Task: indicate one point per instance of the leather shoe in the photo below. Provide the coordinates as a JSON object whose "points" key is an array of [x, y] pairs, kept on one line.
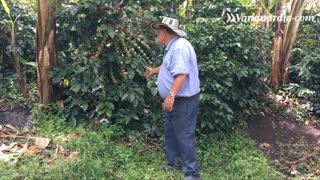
{"points": [[190, 177]]}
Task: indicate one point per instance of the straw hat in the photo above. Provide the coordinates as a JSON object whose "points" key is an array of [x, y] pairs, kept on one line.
{"points": [[171, 23]]}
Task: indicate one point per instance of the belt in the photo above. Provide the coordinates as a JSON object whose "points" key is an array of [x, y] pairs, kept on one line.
{"points": [[185, 97]]}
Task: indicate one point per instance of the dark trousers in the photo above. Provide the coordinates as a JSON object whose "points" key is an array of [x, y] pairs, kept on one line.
{"points": [[179, 136]]}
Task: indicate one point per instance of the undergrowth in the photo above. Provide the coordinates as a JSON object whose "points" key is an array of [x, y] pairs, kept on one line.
{"points": [[110, 152]]}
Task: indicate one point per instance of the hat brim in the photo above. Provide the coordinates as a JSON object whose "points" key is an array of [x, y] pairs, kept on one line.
{"points": [[155, 25]]}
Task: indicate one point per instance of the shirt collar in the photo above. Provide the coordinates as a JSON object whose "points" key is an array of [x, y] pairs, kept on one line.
{"points": [[170, 43]]}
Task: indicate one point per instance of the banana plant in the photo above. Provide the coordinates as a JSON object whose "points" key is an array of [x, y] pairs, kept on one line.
{"points": [[283, 42], [21, 78], [268, 6], [245, 3]]}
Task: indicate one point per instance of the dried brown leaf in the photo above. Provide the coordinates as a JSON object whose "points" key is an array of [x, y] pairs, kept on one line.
{"points": [[42, 143], [32, 150], [24, 148], [13, 129], [59, 150]]}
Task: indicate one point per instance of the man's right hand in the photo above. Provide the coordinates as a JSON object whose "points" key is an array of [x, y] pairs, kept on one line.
{"points": [[149, 72]]}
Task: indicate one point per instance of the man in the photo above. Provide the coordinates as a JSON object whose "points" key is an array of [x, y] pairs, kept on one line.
{"points": [[179, 87]]}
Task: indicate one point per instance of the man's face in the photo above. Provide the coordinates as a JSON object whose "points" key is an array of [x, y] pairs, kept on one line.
{"points": [[161, 36]]}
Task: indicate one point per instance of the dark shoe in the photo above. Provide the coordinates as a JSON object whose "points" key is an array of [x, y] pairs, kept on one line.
{"points": [[190, 177], [178, 165], [172, 168], [168, 168]]}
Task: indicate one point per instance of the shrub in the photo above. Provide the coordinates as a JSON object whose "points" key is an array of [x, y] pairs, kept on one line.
{"points": [[230, 71], [305, 64]]}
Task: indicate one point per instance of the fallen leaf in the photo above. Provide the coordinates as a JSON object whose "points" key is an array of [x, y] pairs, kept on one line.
{"points": [[69, 137], [1, 133], [12, 145], [42, 143], [265, 147], [32, 150], [293, 170], [4, 157], [3, 147], [59, 150], [15, 130], [24, 148]]}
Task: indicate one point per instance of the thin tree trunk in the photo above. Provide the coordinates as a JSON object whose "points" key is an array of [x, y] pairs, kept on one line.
{"points": [[21, 78], [260, 11], [46, 51], [276, 60]]}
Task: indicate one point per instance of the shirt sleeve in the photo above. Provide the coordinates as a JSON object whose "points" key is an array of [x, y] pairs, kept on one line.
{"points": [[179, 62]]}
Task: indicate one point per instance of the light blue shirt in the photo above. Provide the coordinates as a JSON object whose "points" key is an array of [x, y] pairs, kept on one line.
{"points": [[180, 58]]}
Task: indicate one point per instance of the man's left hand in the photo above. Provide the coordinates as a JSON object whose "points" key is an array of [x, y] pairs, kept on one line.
{"points": [[168, 104]]}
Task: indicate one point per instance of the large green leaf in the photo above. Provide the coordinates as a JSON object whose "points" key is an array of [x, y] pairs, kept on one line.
{"points": [[245, 3], [264, 6], [25, 62], [6, 8], [110, 31], [272, 4]]}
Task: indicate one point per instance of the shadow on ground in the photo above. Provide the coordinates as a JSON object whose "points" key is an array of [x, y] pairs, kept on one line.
{"points": [[293, 146]]}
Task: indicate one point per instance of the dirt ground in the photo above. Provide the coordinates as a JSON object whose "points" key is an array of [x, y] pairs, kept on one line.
{"points": [[292, 146], [17, 117]]}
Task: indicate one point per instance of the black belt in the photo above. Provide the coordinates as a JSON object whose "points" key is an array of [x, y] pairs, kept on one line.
{"points": [[185, 97]]}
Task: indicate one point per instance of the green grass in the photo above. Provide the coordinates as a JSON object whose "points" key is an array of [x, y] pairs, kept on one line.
{"points": [[112, 153], [103, 158]]}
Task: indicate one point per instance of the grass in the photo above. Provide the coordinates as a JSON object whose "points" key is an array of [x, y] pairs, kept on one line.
{"points": [[109, 152]]}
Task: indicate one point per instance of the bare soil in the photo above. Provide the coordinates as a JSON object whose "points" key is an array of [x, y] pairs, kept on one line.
{"points": [[292, 145], [17, 117]]}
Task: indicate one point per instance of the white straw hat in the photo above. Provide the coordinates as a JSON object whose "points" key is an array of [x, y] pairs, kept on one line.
{"points": [[171, 23]]}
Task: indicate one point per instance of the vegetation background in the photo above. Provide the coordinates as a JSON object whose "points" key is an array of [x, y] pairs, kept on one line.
{"points": [[104, 120]]}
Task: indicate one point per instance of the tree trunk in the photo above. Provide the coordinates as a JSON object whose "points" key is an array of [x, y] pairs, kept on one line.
{"points": [[283, 43], [290, 35], [46, 51], [21, 78], [276, 60], [265, 25]]}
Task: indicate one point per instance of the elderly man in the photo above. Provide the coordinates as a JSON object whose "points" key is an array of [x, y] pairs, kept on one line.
{"points": [[179, 87]]}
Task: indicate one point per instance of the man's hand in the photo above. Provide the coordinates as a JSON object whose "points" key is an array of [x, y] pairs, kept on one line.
{"points": [[149, 72], [168, 104]]}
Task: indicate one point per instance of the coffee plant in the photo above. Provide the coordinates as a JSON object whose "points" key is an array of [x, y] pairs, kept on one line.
{"points": [[230, 71], [105, 47], [103, 54], [306, 62]]}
